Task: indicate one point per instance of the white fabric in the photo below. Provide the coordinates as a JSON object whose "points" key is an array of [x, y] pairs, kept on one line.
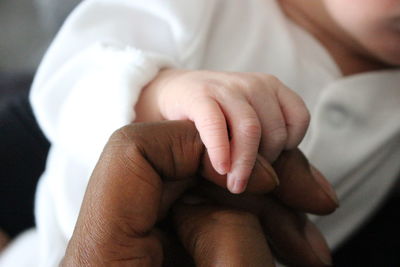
{"points": [[22, 251], [108, 50]]}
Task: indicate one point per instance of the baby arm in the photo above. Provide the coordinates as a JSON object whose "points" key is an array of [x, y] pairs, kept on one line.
{"points": [[238, 115]]}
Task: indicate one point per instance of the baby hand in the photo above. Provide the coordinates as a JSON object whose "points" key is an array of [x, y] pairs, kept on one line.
{"points": [[237, 116]]}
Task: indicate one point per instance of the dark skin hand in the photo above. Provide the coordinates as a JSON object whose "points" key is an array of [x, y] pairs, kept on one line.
{"points": [[3, 240], [133, 213]]}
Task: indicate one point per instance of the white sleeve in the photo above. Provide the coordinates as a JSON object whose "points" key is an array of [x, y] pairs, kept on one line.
{"points": [[87, 85], [105, 53]]}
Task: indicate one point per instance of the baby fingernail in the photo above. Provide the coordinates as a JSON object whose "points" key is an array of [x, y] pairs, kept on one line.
{"points": [[325, 185], [236, 186], [317, 243], [222, 168]]}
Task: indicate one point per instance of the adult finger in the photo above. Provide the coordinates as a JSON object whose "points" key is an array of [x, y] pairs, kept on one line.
{"points": [[122, 201], [174, 252], [219, 236], [211, 124], [245, 132], [292, 236], [263, 178], [295, 238], [302, 186]]}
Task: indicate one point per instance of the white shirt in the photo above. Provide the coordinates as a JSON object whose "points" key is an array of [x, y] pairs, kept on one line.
{"points": [[108, 50]]}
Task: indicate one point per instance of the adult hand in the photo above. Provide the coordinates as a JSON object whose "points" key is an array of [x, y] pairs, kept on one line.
{"points": [[295, 240], [143, 169]]}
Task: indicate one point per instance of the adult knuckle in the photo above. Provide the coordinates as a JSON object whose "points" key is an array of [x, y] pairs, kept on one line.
{"points": [[129, 134], [121, 135], [125, 148], [121, 143]]}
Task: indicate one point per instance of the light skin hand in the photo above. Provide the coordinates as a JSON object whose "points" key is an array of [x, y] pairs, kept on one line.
{"points": [[237, 115]]}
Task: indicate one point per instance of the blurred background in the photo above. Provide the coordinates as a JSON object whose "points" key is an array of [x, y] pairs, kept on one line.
{"points": [[26, 28]]}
